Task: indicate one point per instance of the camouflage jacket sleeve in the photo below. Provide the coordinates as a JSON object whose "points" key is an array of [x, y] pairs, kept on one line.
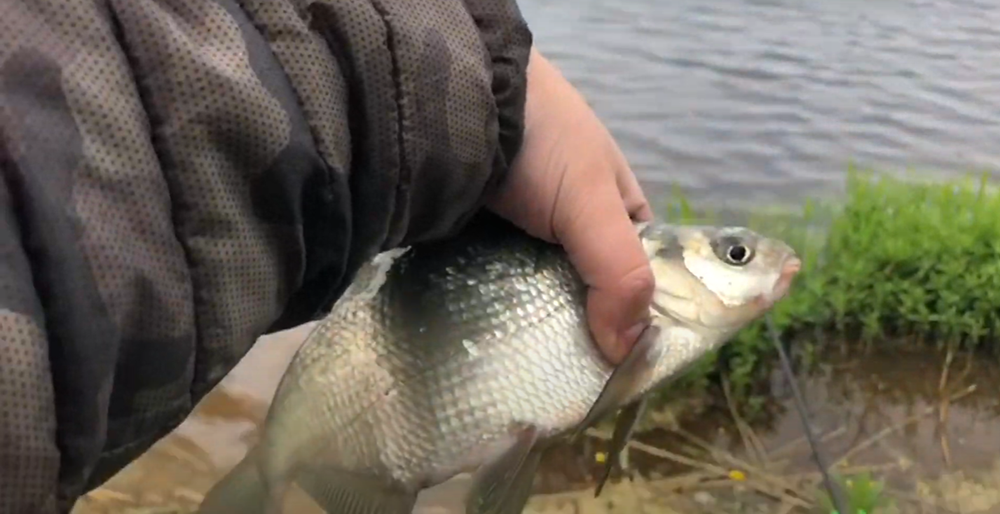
{"points": [[178, 177]]}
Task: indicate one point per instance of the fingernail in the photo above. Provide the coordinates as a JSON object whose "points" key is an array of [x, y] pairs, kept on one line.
{"points": [[628, 337]]}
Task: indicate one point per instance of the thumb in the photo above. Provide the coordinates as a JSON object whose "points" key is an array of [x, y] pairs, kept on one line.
{"points": [[603, 245]]}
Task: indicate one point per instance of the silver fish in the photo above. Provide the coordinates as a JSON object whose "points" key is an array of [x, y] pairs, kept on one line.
{"points": [[474, 355]]}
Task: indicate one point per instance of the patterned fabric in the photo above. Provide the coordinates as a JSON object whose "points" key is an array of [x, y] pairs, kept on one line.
{"points": [[178, 177]]}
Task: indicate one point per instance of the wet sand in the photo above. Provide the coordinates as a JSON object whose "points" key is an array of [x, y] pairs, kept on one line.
{"points": [[882, 411]]}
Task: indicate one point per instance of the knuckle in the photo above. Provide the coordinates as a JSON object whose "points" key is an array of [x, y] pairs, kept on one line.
{"points": [[639, 282]]}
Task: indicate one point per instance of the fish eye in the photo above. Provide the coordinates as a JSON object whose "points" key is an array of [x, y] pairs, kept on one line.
{"points": [[738, 254], [734, 250]]}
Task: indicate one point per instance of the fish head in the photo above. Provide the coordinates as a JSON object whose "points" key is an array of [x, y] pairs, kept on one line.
{"points": [[717, 278]]}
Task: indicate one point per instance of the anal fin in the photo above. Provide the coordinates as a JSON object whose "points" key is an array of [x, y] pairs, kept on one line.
{"points": [[628, 419], [503, 485]]}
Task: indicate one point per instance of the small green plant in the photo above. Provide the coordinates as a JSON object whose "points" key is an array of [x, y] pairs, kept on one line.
{"points": [[864, 495]]}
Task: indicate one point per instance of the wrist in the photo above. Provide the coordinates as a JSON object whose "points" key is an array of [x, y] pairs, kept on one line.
{"points": [[546, 80], [552, 101]]}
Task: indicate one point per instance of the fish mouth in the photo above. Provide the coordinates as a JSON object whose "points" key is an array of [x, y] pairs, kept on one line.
{"points": [[789, 269]]}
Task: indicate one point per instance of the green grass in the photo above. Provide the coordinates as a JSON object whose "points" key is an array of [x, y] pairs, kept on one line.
{"points": [[897, 260]]}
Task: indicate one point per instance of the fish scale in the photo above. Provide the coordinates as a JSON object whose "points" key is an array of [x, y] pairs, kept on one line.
{"points": [[470, 394], [474, 354]]}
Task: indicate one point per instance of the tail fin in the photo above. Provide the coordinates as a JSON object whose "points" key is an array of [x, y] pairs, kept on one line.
{"points": [[241, 491]]}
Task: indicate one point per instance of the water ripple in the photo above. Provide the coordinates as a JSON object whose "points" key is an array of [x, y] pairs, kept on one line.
{"points": [[768, 99]]}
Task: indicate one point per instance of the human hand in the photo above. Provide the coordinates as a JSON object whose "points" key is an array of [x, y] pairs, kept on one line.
{"points": [[570, 184]]}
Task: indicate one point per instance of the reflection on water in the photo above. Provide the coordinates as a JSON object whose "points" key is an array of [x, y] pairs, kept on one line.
{"points": [[885, 403]]}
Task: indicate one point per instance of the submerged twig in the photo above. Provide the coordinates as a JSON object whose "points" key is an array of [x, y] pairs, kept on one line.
{"points": [[836, 494], [765, 484], [943, 381], [792, 445], [885, 432], [731, 460], [943, 408]]}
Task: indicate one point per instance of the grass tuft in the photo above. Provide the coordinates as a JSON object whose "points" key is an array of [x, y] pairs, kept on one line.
{"points": [[897, 260], [865, 495]]}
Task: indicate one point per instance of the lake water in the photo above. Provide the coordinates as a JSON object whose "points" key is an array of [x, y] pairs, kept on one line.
{"points": [[749, 101]]}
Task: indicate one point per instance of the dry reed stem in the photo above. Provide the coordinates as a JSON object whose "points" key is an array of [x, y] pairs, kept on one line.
{"points": [[785, 489], [753, 445], [763, 483], [728, 458]]}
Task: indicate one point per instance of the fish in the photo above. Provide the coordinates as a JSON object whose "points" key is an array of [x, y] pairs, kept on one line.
{"points": [[473, 355]]}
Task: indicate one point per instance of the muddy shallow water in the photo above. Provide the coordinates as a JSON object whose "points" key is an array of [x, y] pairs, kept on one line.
{"points": [[881, 411]]}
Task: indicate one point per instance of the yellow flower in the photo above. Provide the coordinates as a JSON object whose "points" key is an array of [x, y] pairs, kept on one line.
{"points": [[600, 457], [737, 475]]}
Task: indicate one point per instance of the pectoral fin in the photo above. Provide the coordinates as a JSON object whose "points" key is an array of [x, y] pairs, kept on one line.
{"points": [[343, 492], [503, 485], [627, 379], [625, 425]]}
